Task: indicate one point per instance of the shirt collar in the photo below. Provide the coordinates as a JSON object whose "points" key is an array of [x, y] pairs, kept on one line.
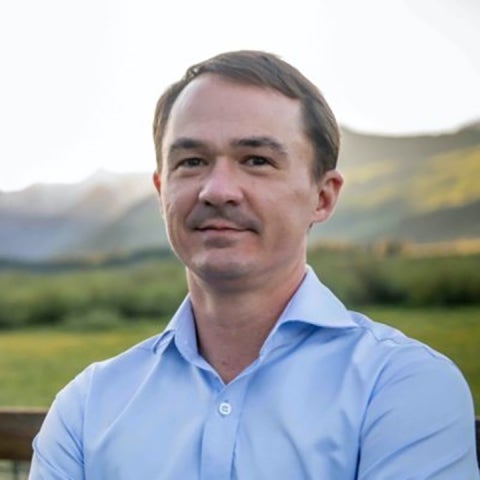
{"points": [[182, 323], [313, 303]]}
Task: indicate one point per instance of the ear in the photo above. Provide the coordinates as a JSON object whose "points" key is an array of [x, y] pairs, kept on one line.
{"points": [[158, 188], [156, 181], [329, 187]]}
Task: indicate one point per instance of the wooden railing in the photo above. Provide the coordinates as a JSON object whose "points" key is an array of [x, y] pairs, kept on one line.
{"points": [[19, 426]]}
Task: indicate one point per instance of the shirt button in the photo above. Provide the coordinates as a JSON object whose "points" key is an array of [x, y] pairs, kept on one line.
{"points": [[225, 409]]}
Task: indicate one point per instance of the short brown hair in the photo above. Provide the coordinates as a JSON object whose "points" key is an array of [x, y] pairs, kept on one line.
{"points": [[268, 71]]}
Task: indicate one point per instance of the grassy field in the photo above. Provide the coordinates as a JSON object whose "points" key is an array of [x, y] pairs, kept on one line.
{"points": [[34, 364]]}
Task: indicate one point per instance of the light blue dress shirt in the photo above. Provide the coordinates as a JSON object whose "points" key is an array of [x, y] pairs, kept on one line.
{"points": [[332, 396]]}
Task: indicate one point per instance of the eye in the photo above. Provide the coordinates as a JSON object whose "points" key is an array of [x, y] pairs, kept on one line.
{"points": [[191, 162], [257, 161]]}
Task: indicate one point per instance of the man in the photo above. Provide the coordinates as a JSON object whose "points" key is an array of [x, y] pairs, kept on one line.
{"points": [[262, 373]]}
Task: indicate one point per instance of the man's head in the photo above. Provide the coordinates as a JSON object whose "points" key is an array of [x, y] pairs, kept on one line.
{"points": [[263, 70], [244, 170]]}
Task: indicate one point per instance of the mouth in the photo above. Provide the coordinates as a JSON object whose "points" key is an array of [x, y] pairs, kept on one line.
{"points": [[206, 221], [217, 229], [220, 227]]}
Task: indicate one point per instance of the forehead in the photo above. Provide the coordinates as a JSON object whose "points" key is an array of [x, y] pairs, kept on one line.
{"points": [[214, 108]]}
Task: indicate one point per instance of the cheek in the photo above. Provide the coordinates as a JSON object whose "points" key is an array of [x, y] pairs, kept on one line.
{"points": [[300, 204], [174, 202], [286, 224], [171, 219]]}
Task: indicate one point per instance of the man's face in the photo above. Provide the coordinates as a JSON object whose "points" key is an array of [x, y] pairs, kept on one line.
{"points": [[236, 184]]}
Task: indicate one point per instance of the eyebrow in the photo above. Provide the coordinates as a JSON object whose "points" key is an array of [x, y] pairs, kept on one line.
{"points": [[258, 142], [187, 143]]}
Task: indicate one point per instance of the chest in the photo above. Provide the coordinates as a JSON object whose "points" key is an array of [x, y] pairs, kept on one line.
{"points": [[283, 420]]}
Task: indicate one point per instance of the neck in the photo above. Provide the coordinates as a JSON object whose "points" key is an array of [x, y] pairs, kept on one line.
{"points": [[233, 323]]}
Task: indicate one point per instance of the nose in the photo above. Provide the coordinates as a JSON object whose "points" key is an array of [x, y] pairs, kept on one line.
{"points": [[221, 185]]}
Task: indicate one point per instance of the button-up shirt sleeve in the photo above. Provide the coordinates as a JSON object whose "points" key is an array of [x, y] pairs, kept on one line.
{"points": [[419, 421], [58, 449]]}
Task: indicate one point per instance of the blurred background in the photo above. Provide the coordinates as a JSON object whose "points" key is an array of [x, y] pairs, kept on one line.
{"points": [[85, 270]]}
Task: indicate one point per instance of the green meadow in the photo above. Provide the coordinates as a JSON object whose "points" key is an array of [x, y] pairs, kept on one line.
{"points": [[55, 319], [36, 363]]}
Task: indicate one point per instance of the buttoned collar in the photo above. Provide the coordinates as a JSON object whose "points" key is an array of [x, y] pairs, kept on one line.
{"points": [[312, 304]]}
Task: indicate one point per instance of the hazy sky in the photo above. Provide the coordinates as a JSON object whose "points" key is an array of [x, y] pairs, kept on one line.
{"points": [[79, 79]]}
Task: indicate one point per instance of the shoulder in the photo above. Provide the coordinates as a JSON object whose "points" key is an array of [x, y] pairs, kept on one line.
{"points": [[390, 343], [386, 362], [399, 359], [97, 394], [419, 404], [137, 356], [112, 378], [100, 391]]}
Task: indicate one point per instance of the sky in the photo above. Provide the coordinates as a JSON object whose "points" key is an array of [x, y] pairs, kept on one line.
{"points": [[80, 79]]}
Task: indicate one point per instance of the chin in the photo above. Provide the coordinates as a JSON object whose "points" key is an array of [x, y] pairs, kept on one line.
{"points": [[227, 269]]}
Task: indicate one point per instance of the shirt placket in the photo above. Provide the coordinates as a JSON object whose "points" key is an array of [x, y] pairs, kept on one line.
{"points": [[220, 431]]}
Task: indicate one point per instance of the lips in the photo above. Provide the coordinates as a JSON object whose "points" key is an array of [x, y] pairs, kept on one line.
{"points": [[221, 219], [220, 227]]}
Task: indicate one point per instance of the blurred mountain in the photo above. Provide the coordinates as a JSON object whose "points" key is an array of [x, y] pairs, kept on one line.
{"points": [[421, 189], [50, 220], [139, 226]]}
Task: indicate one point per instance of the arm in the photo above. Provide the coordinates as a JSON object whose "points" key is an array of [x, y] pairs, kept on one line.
{"points": [[419, 423], [58, 448]]}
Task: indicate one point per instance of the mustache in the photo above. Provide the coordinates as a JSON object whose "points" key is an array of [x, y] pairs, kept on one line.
{"points": [[202, 213]]}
